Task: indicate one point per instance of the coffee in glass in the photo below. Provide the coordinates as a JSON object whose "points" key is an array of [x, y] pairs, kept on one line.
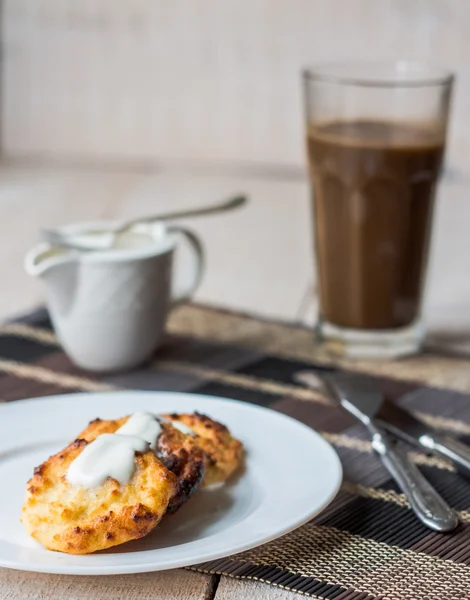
{"points": [[375, 142]]}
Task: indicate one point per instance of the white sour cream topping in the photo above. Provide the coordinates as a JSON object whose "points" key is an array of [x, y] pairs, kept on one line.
{"points": [[113, 454], [143, 425], [183, 428], [110, 455]]}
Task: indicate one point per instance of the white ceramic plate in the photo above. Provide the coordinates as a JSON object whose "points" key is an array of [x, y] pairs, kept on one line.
{"points": [[290, 475]]}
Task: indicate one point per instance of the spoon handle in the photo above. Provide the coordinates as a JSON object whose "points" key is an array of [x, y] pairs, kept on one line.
{"points": [[61, 239], [235, 202]]}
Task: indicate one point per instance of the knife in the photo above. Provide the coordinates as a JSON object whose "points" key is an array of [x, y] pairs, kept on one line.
{"points": [[362, 398], [404, 425]]}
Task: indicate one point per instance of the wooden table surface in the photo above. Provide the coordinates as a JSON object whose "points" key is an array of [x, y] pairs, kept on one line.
{"points": [[166, 585]]}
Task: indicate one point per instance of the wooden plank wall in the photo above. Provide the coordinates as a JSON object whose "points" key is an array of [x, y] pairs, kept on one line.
{"points": [[201, 81]]}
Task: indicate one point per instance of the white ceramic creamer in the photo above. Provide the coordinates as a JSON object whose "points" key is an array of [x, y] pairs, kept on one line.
{"points": [[109, 305]]}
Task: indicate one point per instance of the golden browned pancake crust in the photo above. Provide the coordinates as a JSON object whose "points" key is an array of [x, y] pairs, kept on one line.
{"points": [[186, 460], [176, 451], [224, 452], [79, 521]]}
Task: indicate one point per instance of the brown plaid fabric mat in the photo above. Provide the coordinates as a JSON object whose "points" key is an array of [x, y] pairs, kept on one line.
{"points": [[367, 545]]}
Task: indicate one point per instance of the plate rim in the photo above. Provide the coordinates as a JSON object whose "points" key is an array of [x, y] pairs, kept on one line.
{"points": [[149, 566]]}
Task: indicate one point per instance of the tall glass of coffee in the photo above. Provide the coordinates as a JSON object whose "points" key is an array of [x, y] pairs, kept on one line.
{"points": [[375, 141]]}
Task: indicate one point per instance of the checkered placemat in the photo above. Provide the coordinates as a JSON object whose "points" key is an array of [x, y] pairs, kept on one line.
{"points": [[367, 544]]}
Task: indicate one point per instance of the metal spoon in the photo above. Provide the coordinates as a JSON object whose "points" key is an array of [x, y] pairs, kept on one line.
{"points": [[64, 239]]}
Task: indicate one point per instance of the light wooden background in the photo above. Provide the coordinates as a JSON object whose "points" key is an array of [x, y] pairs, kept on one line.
{"points": [[114, 108], [201, 80]]}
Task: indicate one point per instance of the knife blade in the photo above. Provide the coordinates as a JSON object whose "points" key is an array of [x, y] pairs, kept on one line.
{"points": [[363, 399], [401, 423]]}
